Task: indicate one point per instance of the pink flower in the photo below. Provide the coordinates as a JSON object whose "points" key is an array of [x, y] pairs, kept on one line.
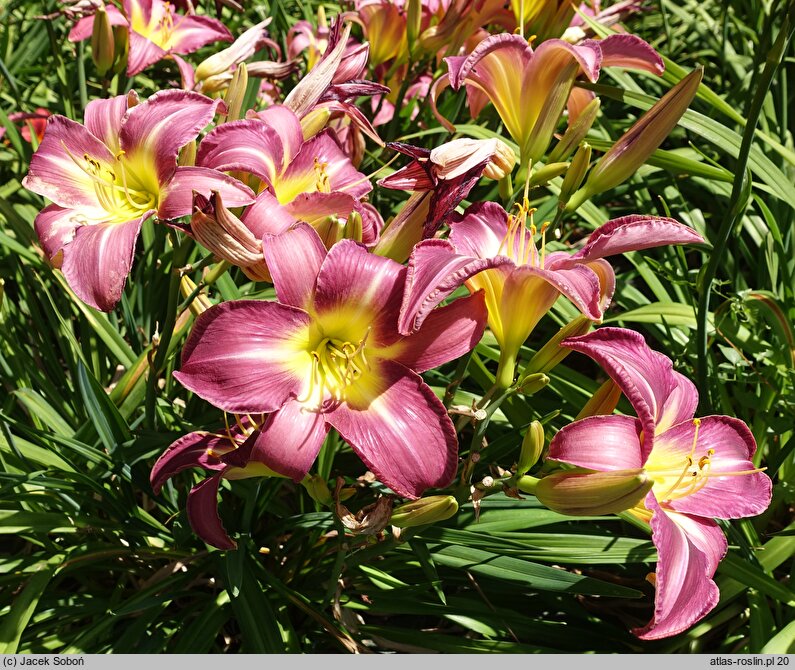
{"points": [[156, 31], [311, 181], [529, 87], [495, 252], [107, 177], [328, 353], [26, 120], [701, 468]]}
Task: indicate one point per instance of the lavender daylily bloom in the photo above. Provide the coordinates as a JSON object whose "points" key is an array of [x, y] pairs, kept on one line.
{"points": [[701, 468], [494, 251], [156, 31], [107, 177], [328, 354]]}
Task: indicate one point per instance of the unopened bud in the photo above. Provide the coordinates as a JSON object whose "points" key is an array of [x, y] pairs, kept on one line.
{"points": [[593, 493], [187, 155], [121, 39], [532, 447], [532, 383], [424, 511], [458, 157], [236, 93], [552, 353], [576, 132], [317, 489], [640, 141], [405, 230], [243, 47], [547, 173], [201, 303], [313, 122], [576, 173], [353, 227], [603, 401], [103, 44], [413, 22]]}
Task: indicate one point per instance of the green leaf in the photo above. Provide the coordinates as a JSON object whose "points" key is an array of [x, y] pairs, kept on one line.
{"points": [[15, 622]]}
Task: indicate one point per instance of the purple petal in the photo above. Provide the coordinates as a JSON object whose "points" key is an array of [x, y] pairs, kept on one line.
{"points": [[302, 172], [247, 145], [315, 208], [154, 131], [56, 175], [56, 227], [630, 51], [294, 258], [83, 29], [103, 119], [189, 451], [97, 261], [460, 68], [482, 231], [601, 443], [288, 127], [177, 195], [633, 233], [290, 440], [360, 285], [400, 429], [203, 516], [267, 217], [247, 356], [660, 396], [143, 53], [689, 549], [553, 54], [193, 32], [435, 270], [732, 496], [448, 333]]}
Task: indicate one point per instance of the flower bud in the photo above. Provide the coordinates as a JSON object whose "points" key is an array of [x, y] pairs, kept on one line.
{"points": [[405, 230], [576, 173], [455, 158], [353, 227], [121, 39], [201, 303], [532, 383], [501, 163], [593, 493], [424, 511], [236, 93], [413, 22], [576, 132], [640, 141], [243, 47], [603, 401], [103, 45], [313, 122], [532, 447], [548, 356], [187, 155], [317, 489], [547, 172]]}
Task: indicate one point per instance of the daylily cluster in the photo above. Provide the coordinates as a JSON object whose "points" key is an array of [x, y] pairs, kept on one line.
{"points": [[363, 307]]}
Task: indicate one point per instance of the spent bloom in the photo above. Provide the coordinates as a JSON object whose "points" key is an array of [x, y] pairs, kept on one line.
{"points": [[699, 468], [328, 353], [107, 177]]}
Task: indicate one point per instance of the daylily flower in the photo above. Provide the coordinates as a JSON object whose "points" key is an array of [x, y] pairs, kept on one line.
{"points": [[493, 251], [312, 180], [156, 31], [26, 120], [529, 87], [701, 468], [107, 177], [227, 455], [328, 353], [443, 176]]}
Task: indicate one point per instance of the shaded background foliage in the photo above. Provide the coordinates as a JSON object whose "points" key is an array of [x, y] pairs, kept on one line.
{"points": [[91, 561]]}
